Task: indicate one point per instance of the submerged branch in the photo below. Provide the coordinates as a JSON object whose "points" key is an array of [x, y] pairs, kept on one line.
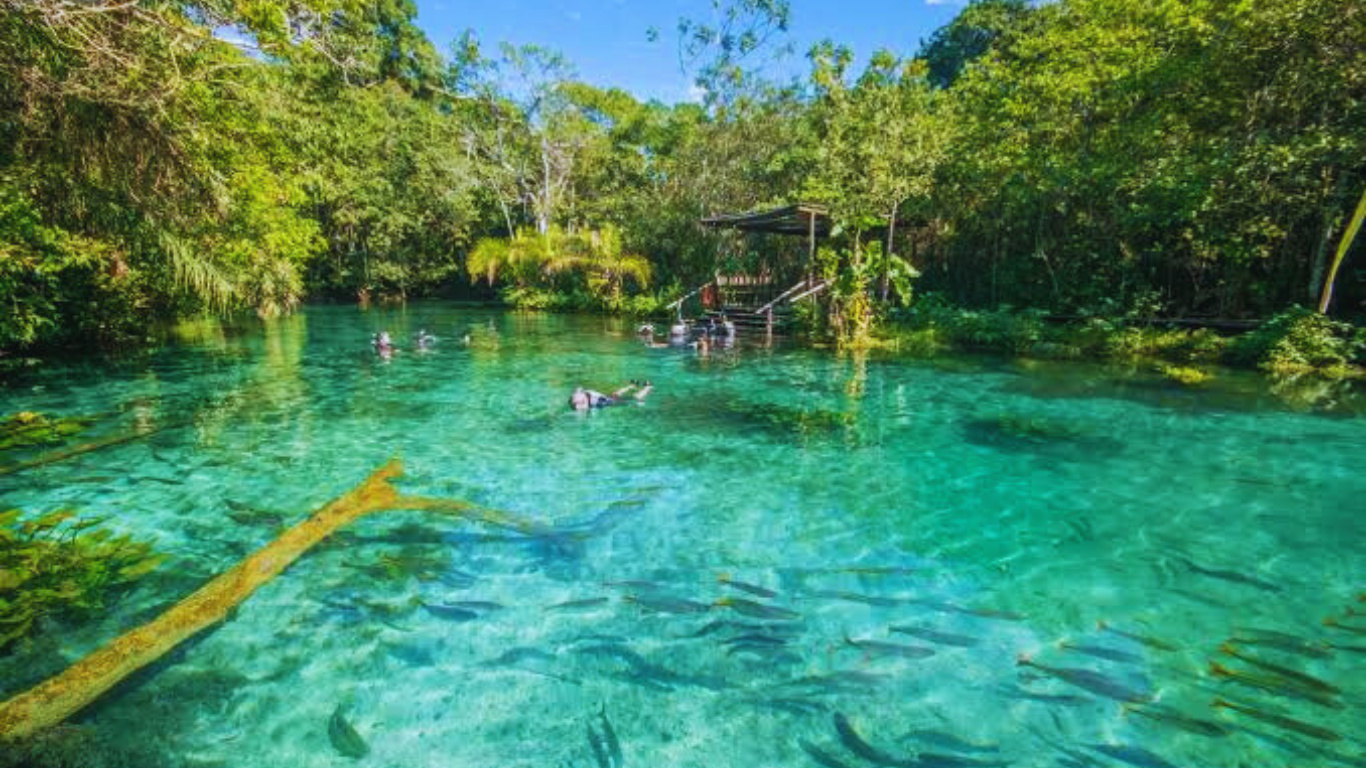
{"points": [[58, 698], [84, 448]]}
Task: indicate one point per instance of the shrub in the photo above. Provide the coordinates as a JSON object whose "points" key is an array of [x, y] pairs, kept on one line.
{"points": [[1300, 339]]}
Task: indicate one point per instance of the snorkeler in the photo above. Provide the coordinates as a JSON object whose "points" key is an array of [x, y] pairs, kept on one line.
{"points": [[382, 343], [423, 339], [588, 399]]}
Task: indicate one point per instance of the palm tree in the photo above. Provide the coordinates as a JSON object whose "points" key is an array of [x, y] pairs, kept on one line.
{"points": [[600, 255]]}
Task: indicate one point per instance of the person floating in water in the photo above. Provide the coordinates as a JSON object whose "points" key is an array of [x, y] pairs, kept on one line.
{"points": [[424, 340], [382, 343], [588, 399]]}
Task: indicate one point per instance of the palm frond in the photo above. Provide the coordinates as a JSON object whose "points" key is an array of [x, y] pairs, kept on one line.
{"points": [[197, 274]]}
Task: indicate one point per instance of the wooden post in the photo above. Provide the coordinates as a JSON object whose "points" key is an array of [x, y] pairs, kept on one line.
{"points": [[811, 247]]}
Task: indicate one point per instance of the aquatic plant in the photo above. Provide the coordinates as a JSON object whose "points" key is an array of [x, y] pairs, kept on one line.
{"points": [[59, 564], [79, 746], [26, 429]]}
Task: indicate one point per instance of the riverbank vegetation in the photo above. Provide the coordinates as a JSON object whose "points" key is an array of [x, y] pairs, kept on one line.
{"points": [[1115, 160]]}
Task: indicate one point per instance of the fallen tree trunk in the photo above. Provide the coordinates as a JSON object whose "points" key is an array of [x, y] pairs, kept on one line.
{"points": [[65, 694], [84, 448]]}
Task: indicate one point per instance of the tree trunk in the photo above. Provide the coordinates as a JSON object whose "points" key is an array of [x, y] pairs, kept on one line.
{"points": [[1343, 246], [543, 210], [887, 259]]}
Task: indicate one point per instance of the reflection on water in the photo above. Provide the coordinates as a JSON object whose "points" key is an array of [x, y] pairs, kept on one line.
{"points": [[784, 557]]}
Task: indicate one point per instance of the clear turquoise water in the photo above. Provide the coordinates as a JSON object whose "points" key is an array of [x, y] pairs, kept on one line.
{"points": [[1012, 506]]}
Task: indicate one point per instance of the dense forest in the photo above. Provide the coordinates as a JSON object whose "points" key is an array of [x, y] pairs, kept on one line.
{"points": [[161, 159]]}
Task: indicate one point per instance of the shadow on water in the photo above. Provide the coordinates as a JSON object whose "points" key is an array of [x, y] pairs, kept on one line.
{"points": [[1056, 438], [768, 421]]}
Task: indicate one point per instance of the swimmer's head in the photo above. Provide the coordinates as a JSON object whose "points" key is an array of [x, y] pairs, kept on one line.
{"points": [[580, 400]]}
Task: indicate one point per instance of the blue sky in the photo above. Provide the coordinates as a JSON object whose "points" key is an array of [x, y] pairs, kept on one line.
{"points": [[606, 39]]}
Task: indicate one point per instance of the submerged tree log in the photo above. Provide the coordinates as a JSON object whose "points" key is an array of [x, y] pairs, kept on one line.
{"points": [[84, 448], [60, 697]]}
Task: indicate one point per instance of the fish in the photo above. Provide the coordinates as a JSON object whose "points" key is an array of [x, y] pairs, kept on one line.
{"points": [[667, 604], [949, 741], [162, 480], [841, 680], [721, 625], [578, 605], [1277, 685], [596, 743], [647, 586], [449, 612], [856, 744], [1062, 699], [878, 570], [821, 757], [457, 579], [412, 655], [755, 639], [768, 653], [1101, 652], [932, 760], [855, 597], [877, 648], [1298, 677], [1281, 721], [1177, 720], [1281, 641], [609, 735], [518, 655], [991, 613], [615, 651], [1090, 681], [743, 586], [1230, 576], [794, 705], [344, 737], [476, 605], [1333, 622], [935, 636], [757, 610], [1150, 642], [1137, 756]]}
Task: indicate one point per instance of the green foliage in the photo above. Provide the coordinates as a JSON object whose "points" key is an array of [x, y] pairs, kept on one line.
{"points": [[1105, 149], [1184, 374], [1120, 158], [58, 288], [1003, 329], [1295, 341], [1298, 340], [27, 429], [561, 270], [60, 565], [970, 36]]}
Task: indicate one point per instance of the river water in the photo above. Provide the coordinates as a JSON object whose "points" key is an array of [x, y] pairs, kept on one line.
{"points": [[971, 562]]}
